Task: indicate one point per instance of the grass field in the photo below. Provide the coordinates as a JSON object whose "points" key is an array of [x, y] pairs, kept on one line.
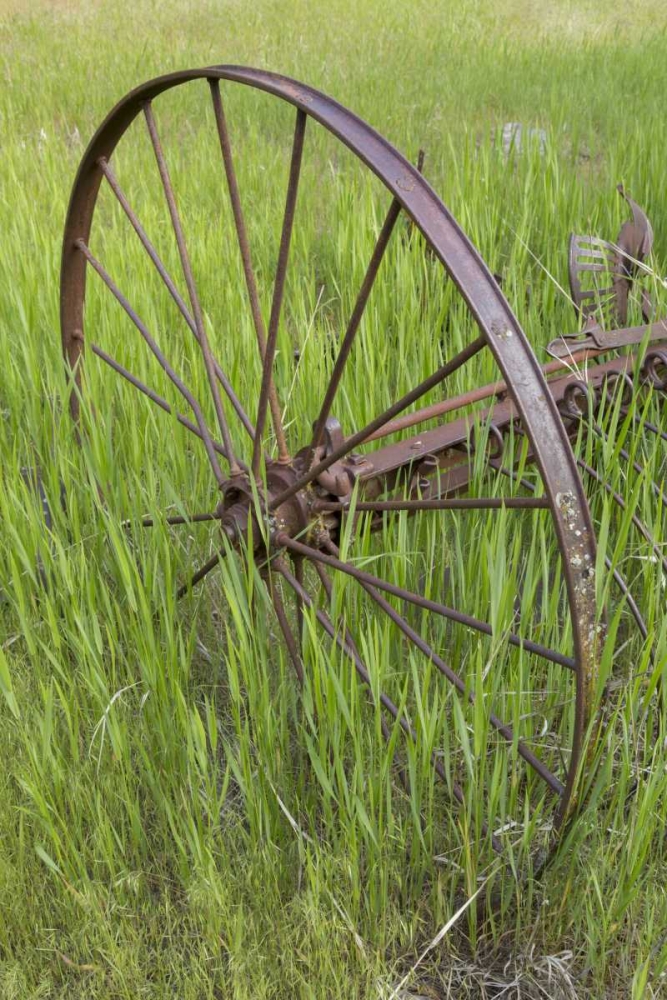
{"points": [[175, 819]]}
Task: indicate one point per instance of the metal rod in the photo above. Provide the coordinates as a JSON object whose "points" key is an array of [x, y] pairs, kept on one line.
{"points": [[442, 373], [246, 259], [353, 325], [618, 499], [386, 702], [386, 731], [153, 396], [624, 453], [465, 503], [619, 580], [297, 563], [632, 604], [279, 288], [422, 602], [202, 336], [199, 575], [329, 628], [143, 330], [511, 474], [325, 580], [288, 635], [150, 522], [505, 730], [106, 169], [468, 398], [647, 425]]}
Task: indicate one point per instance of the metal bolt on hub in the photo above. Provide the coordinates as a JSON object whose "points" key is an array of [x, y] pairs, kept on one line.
{"points": [[292, 492]]}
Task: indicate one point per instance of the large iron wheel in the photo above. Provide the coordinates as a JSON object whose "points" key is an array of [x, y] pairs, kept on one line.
{"points": [[309, 496]]}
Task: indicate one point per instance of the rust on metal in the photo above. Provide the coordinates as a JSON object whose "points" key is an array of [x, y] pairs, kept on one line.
{"points": [[610, 268], [293, 508]]}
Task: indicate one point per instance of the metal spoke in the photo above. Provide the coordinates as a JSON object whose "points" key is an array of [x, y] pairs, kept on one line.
{"points": [[297, 563], [464, 503], [112, 180], [202, 336], [647, 425], [632, 604], [288, 635], [619, 580], [150, 522], [618, 499], [356, 439], [386, 731], [639, 469], [468, 398], [153, 396], [511, 474], [279, 286], [143, 330], [423, 602], [199, 575], [642, 471], [364, 675], [332, 632], [328, 590], [353, 325], [505, 730], [246, 259]]}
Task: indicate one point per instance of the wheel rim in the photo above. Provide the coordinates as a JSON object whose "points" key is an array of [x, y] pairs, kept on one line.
{"points": [[289, 498]]}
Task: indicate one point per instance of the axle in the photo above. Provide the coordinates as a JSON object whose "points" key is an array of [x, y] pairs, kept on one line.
{"points": [[427, 467]]}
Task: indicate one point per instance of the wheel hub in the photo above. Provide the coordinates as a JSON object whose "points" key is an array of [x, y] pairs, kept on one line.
{"points": [[247, 513], [296, 504], [251, 513]]}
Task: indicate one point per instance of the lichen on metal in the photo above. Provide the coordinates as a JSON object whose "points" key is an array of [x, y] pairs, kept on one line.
{"points": [[292, 509]]}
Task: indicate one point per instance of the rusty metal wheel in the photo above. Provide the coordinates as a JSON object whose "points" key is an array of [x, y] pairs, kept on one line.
{"points": [[416, 543]]}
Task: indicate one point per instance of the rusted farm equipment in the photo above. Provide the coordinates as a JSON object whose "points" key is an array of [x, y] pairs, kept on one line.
{"points": [[301, 507]]}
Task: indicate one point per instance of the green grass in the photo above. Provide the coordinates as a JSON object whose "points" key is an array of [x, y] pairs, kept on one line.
{"points": [[175, 819]]}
